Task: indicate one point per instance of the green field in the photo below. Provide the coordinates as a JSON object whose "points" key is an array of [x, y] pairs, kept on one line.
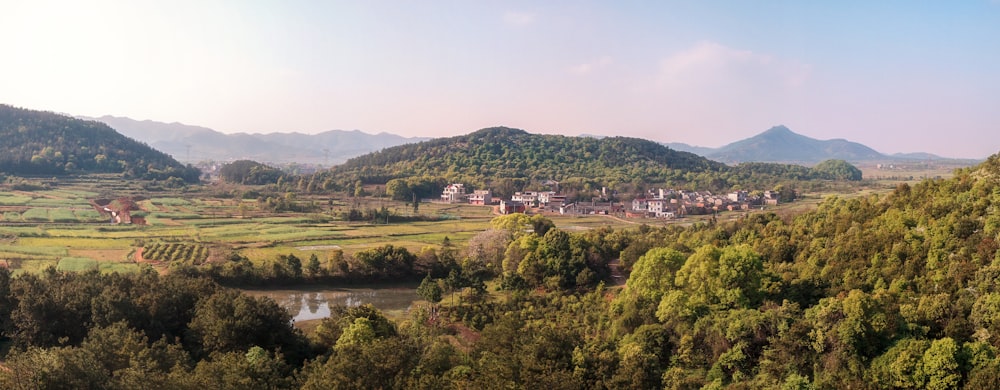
{"points": [[58, 226]]}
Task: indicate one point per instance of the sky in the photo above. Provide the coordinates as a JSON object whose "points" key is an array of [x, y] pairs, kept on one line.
{"points": [[898, 76]]}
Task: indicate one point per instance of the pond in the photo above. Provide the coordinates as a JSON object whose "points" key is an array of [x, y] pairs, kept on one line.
{"points": [[314, 303]]}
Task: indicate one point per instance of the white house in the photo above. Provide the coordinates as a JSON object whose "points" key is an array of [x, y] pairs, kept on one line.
{"points": [[454, 193]]}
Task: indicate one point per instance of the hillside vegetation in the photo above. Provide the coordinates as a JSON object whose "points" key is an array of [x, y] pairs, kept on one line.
{"points": [[44, 143], [874, 292], [493, 157]]}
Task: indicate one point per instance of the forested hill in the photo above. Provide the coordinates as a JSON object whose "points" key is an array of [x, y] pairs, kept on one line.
{"points": [[508, 158], [44, 143], [512, 153]]}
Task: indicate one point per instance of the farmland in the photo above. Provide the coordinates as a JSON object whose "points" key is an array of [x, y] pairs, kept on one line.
{"points": [[57, 227]]}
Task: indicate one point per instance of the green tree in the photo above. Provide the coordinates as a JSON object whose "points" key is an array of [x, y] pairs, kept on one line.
{"points": [[430, 290], [313, 268], [654, 273], [229, 321], [358, 333], [398, 189], [939, 366]]}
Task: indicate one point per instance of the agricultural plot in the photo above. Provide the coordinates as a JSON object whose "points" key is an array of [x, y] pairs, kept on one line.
{"points": [[176, 252], [76, 264], [58, 227], [11, 199], [32, 251], [170, 201], [62, 216], [29, 265], [35, 215], [109, 267], [58, 202], [78, 242], [88, 215]]}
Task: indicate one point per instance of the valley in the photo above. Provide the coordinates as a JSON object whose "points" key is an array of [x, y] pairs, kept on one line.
{"points": [[497, 258]]}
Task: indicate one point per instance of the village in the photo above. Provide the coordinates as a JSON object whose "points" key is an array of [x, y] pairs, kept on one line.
{"points": [[656, 203]]}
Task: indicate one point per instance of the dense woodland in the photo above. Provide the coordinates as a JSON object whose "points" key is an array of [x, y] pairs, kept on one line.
{"points": [[508, 160], [249, 172], [44, 143], [890, 291]]}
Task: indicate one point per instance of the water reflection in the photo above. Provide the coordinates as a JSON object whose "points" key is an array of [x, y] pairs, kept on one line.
{"points": [[313, 304]]}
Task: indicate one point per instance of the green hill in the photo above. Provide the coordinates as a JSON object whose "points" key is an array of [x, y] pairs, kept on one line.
{"points": [[45, 143], [507, 160], [502, 152]]}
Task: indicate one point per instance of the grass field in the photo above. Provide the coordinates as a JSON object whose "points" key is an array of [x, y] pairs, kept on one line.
{"points": [[76, 264]]}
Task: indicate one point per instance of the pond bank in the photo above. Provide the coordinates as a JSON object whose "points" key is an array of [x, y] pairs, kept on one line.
{"points": [[313, 302]]}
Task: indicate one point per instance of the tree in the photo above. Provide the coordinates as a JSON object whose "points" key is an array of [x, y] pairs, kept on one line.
{"points": [[7, 303], [294, 264], [653, 274], [255, 368], [358, 333], [516, 223], [836, 170], [249, 172], [386, 261], [313, 268], [430, 290], [939, 366], [488, 247], [541, 225], [229, 321], [398, 189]]}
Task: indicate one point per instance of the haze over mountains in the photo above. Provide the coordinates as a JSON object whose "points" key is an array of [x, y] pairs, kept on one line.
{"points": [[780, 144], [195, 143]]}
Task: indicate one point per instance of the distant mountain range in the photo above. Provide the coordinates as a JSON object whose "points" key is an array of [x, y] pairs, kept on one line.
{"points": [[779, 144], [194, 143]]}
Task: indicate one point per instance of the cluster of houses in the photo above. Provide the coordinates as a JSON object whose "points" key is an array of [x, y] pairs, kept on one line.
{"points": [[668, 203], [521, 201], [657, 203]]}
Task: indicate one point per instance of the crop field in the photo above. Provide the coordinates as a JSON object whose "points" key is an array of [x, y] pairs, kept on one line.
{"points": [[76, 264], [176, 252], [58, 227], [12, 199]]}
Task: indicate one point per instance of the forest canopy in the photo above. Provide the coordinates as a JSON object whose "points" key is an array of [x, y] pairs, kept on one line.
{"points": [[44, 143], [508, 159], [897, 290]]}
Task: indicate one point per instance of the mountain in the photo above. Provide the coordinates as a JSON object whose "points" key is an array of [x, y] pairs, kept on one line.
{"points": [[699, 150], [195, 143], [502, 152], [506, 160], [916, 156], [779, 144], [43, 143]]}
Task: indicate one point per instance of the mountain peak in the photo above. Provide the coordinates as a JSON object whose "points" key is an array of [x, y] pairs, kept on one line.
{"points": [[778, 130], [779, 144]]}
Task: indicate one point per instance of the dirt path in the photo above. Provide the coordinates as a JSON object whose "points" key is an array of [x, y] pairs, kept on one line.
{"points": [[621, 220], [617, 277], [140, 259]]}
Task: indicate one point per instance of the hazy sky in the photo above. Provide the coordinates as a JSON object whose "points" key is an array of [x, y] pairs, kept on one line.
{"points": [[899, 76]]}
